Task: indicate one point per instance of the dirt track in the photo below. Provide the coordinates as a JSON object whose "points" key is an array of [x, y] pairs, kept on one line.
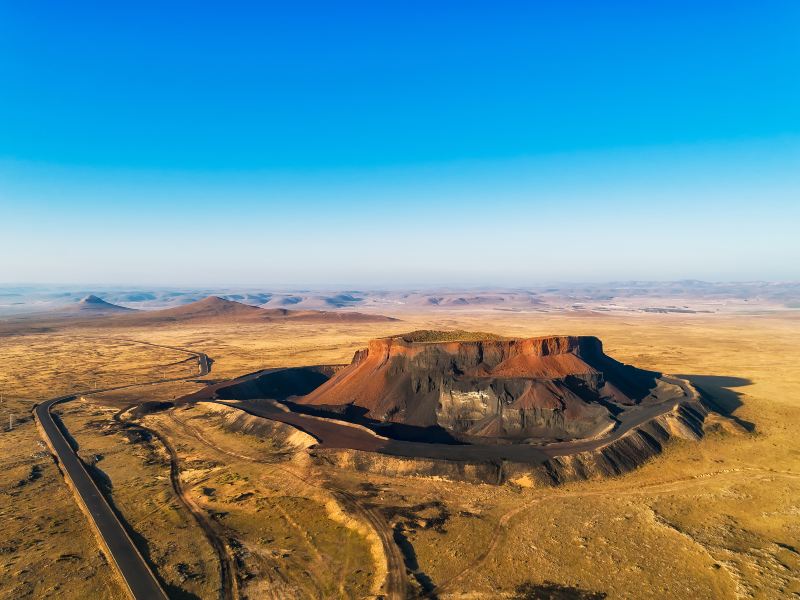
{"points": [[396, 586], [227, 563], [396, 578]]}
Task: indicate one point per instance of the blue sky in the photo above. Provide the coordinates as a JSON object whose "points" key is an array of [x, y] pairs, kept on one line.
{"points": [[388, 143]]}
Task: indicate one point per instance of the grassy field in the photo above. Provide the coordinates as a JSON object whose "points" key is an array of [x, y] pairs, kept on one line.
{"points": [[718, 518], [268, 506], [48, 550], [133, 469]]}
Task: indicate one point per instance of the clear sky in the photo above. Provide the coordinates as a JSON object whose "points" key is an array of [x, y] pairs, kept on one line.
{"points": [[385, 143]]}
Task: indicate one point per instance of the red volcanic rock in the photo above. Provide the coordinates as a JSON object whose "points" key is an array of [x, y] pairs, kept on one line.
{"points": [[548, 387]]}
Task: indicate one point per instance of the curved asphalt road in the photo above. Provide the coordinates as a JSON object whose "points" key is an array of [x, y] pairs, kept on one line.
{"points": [[136, 574], [134, 570]]}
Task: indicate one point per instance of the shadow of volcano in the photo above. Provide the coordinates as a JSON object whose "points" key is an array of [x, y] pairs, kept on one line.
{"points": [[716, 390], [284, 384], [553, 591], [277, 385], [435, 434], [633, 382]]}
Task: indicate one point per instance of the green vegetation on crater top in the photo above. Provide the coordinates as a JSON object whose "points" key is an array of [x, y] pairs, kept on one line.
{"points": [[455, 335]]}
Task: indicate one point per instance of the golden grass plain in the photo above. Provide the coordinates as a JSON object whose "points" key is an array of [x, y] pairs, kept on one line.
{"points": [[717, 518]]}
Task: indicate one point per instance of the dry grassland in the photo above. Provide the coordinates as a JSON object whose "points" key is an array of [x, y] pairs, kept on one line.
{"points": [[718, 518], [46, 547]]}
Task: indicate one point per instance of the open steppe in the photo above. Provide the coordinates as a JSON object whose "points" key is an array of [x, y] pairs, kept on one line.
{"points": [[719, 517]]}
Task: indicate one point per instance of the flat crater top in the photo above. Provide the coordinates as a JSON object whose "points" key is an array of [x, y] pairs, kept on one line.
{"points": [[455, 335]]}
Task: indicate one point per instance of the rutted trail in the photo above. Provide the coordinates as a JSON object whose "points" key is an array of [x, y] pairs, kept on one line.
{"points": [[396, 584], [227, 563]]}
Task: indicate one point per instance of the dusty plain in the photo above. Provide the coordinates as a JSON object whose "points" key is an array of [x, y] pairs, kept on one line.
{"points": [[719, 518]]}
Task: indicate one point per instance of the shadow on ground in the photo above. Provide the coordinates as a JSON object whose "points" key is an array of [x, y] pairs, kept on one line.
{"points": [[553, 591], [717, 390]]}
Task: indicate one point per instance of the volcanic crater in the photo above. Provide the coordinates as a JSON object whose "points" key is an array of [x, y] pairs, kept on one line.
{"points": [[486, 389], [477, 407]]}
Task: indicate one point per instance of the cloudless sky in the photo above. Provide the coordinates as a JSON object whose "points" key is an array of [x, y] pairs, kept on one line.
{"points": [[385, 143]]}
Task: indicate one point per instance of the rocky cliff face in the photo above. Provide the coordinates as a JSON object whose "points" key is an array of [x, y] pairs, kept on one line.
{"points": [[537, 389], [632, 450]]}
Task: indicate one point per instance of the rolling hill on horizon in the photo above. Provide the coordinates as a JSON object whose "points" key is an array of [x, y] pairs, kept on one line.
{"points": [[96, 312], [95, 305], [215, 308]]}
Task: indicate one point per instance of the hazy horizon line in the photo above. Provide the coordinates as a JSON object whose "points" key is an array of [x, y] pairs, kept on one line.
{"points": [[401, 285]]}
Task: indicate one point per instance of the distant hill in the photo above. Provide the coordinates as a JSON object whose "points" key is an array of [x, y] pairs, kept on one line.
{"points": [[446, 299], [95, 312], [216, 309], [314, 301], [210, 308], [94, 305]]}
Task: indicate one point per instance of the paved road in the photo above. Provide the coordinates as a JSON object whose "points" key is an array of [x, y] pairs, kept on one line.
{"points": [[134, 570]]}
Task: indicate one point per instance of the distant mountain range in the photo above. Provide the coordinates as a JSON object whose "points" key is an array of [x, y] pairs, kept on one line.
{"points": [[93, 310], [677, 296]]}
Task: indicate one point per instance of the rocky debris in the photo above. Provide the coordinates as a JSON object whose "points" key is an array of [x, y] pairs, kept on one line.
{"points": [[631, 450], [622, 455], [281, 437]]}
